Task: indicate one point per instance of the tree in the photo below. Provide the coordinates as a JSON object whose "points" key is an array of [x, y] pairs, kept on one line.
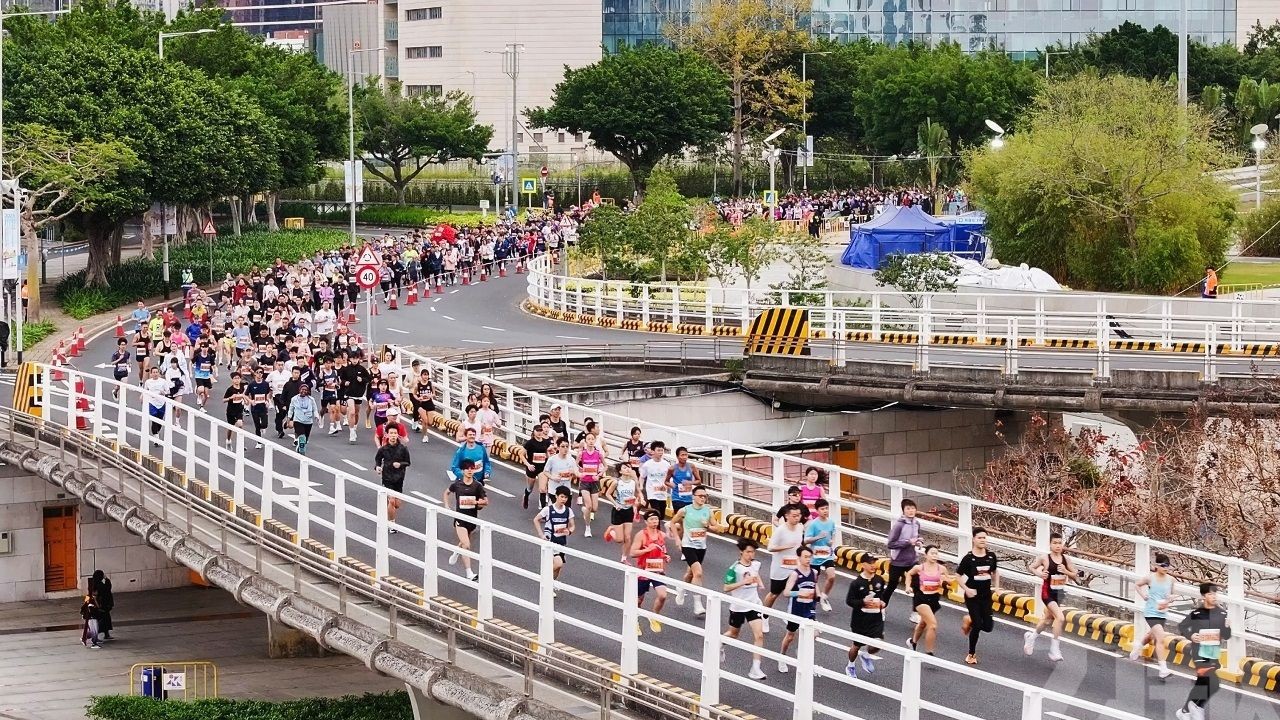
{"points": [[1104, 187], [56, 174], [933, 143], [833, 78], [746, 40], [401, 135], [642, 105], [663, 229], [806, 264], [917, 273], [605, 236], [741, 252]]}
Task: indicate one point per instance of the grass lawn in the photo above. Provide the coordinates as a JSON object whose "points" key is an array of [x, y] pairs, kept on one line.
{"points": [[1243, 273]]}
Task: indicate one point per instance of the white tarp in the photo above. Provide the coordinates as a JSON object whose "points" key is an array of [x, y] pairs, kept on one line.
{"points": [[1022, 277]]}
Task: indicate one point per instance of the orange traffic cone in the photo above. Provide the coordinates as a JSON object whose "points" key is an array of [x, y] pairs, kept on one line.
{"points": [[59, 361], [119, 326], [440, 284], [484, 273], [519, 266], [413, 295], [466, 277], [80, 338], [426, 289], [74, 348], [502, 269], [392, 304], [351, 314], [373, 307], [82, 406]]}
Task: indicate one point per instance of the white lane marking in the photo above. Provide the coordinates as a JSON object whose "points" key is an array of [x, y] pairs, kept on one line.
{"points": [[433, 308], [480, 342], [572, 337], [437, 300], [426, 497], [446, 317], [402, 332], [486, 327], [452, 292], [354, 464]]}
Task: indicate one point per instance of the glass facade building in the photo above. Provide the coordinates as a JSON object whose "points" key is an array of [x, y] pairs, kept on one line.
{"points": [[1019, 27]]}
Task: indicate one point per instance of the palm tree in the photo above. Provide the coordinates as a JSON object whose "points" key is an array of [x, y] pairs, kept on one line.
{"points": [[933, 143]]}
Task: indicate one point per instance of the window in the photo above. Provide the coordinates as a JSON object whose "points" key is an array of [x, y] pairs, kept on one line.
{"points": [[537, 138], [577, 137], [431, 13], [415, 90], [560, 138], [519, 137], [434, 13], [420, 52]]}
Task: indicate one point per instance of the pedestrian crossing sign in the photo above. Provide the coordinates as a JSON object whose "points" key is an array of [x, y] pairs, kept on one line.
{"points": [[770, 197], [528, 185]]}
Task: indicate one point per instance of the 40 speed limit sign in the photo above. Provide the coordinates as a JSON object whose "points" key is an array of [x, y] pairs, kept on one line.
{"points": [[368, 276]]}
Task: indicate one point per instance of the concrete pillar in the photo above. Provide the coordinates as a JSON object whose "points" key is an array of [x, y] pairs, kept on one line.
{"points": [[428, 708], [286, 642]]}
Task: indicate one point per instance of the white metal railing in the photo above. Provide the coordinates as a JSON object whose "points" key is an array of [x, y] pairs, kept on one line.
{"points": [[1221, 326], [1250, 587], [325, 503]]}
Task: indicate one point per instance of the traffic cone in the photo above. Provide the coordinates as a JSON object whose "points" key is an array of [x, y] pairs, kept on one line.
{"points": [[80, 338], [119, 326], [59, 361], [484, 273], [502, 269], [392, 304], [373, 307], [426, 289], [519, 266], [74, 348], [466, 277], [351, 314], [413, 294], [440, 284]]}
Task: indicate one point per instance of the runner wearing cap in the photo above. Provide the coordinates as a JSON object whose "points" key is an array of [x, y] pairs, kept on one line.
{"points": [[392, 420], [302, 415]]}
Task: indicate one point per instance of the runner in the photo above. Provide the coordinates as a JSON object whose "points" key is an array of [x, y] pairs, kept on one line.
{"points": [[819, 535], [393, 420], [591, 460], [927, 580], [536, 450], [302, 414], [390, 463], [904, 544], [656, 472], [355, 385], [467, 496], [802, 588], [810, 491], [1156, 593], [783, 543], [743, 583], [120, 364], [235, 397], [204, 369], [1054, 569], [424, 402], [793, 500], [475, 452], [650, 552], [562, 468], [555, 523], [259, 392], [329, 403], [1207, 627], [689, 527], [633, 450], [682, 477], [980, 580], [157, 389], [864, 597], [627, 497]]}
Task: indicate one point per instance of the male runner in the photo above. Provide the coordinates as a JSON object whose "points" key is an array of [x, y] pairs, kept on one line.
{"points": [[819, 535], [864, 597], [1207, 627], [979, 580], [1054, 569], [555, 523], [783, 543], [390, 462], [689, 527], [743, 583], [802, 588]]}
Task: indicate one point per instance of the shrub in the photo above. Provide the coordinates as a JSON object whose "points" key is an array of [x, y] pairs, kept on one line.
{"points": [[384, 706], [1260, 230], [139, 279], [32, 334]]}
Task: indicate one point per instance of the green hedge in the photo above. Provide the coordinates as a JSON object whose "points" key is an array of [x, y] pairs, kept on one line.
{"points": [[32, 334], [385, 706], [386, 215], [139, 279]]}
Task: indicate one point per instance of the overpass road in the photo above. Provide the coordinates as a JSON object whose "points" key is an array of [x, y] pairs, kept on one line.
{"points": [[486, 315]]}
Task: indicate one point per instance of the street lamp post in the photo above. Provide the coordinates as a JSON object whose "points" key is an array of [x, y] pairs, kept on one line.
{"points": [[997, 142], [804, 115], [164, 207], [1259, 144], [352, 178]]}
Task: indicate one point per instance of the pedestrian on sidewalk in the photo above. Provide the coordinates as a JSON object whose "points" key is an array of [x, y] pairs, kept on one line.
{"points": [[100, 589], [90, 613]]}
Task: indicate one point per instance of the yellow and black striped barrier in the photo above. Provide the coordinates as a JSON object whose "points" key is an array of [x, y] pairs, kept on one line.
{"points": [[779, 331], [27, 394], [690, 329], [1102, 628], [1260, 673], [900, 338], [1186, 347], [1072, 343], [1135, 345], [1251, 350], [727, 331], [659, 326], [630, 324], [858, 335]]}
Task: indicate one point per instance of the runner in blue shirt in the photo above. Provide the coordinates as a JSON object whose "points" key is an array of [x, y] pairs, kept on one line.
{"points": [[820, 535]]}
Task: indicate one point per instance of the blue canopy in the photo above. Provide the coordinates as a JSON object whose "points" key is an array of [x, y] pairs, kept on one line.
{"points": [[899, 229]]}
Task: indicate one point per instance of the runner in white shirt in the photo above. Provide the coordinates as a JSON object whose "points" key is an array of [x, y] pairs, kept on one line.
{"points": [[562, 468], [782, 546], [743, 583], [654, 474]]}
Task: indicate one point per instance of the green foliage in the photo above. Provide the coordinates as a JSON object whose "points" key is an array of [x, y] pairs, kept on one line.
{"points": [[386, 215], [384, 706], [655, 242], [742, 252], [642, 105], [140, 279], [401, 135], [32, 334], [918, 273], [1104, 187], [806, 264], [1260, 230]]}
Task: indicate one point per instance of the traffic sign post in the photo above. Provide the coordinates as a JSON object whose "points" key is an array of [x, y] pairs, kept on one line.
{"points": [[368, 276], [210, 233], [529, 186]]}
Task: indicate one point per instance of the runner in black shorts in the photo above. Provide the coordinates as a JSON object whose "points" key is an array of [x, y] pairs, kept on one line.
{"points": [[235, 398], [391, 462], [466, 496], [865, 591], [354, 377]]}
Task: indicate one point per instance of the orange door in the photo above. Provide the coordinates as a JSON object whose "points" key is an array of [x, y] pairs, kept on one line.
{"points": [[60, 551], [845, 455]]}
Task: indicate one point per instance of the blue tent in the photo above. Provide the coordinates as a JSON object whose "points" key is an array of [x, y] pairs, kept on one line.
{"points": [[896, 230]]}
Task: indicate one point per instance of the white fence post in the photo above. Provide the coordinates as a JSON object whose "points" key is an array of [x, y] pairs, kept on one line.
{"points": [[546, 597], [340, 514], [166, 431], [644, 304], [237, 485], [382, 535], [431, 553], [266, 493], [709, 691], [728, 493], [1141, 568], [1235, 615], [964, 527], [982, 320], [924, 329], [1166, 323], [304, 501], [189, 467], [1039, 320], [1032, 705], [805, 661], [96, 423], [875, 317], [1011, 349], [675, 304], [629, 659], [911, 688], [509, 412], [484, 597], [779, 481]]}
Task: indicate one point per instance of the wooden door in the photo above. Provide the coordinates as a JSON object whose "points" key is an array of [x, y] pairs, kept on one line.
{"points": [[60, 549], [845, 455]]}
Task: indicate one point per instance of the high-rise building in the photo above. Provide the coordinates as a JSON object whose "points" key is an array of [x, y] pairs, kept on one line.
{"points": [[1253, 12]]}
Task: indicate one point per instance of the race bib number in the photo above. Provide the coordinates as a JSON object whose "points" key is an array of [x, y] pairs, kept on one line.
{"points": [[590, 468], [539, 458], [655, 564], [628, 502], [466, 502], [560, 530], [1057, 581], [821, 553], [1211, 637], [791, 562], [805, 594], [205, 367], [982, 576], [698, 534], [683, 488], [930, 587]]}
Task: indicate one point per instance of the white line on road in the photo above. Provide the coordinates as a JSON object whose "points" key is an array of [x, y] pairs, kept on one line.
{"points": [[402, 332], [480, 342], [354, 464], [437, 300], [433, 308], [452, 292], [572, 337], [486, 327], [426, 497], [446, 317]]}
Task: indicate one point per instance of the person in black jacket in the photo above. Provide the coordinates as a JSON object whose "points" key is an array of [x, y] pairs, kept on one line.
{"points": [[1206, 627], [90, 614], [100, 589], [390, 462]]}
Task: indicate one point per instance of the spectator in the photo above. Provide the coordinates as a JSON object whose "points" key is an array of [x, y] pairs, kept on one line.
{"points": [[100, 590]]}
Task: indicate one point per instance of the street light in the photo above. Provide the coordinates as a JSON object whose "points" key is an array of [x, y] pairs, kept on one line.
{"points": [[352, 178], [804, 116], [1048, 55], [1259, 144], [997, 142], [771, 154], [164, 207]]}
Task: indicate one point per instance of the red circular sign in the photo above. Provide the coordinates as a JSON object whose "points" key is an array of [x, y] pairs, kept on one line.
{"points": [[368, 277]]}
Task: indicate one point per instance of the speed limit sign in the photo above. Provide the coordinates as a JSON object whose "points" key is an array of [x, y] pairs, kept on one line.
{"points": [[368, 277]]}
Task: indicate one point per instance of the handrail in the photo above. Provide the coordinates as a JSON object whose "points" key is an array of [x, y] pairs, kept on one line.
{"points": [[315, 500], [734, 489]]}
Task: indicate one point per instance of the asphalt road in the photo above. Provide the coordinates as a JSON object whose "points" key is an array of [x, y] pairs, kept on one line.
{"points": [[486, 316]]}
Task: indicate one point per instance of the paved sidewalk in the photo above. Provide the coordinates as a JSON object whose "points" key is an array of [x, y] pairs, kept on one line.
{"points": [[46, 674]]}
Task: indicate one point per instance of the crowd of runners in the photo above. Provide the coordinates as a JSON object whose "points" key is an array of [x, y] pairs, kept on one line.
{"points": [[294, 366]]}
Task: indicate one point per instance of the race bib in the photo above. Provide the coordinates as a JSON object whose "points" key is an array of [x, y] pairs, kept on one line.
{"points": [[982, 576], [1211, 637], [655, 564], [560, 530], [805, 594], [629, 502], [698, 534], [791, 562], [683, 488], [821, 553], [539, 458], [930, 587], [1057, 581], [590, 468], [204, 367], [466, 502]]}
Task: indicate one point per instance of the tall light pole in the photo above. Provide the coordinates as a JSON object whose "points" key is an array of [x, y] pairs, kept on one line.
{"points": [[771, 154], [353, 178], [1182, 54], [804, 115], [1259, 144], [511, 66], [1048, 55], [164, 207]]}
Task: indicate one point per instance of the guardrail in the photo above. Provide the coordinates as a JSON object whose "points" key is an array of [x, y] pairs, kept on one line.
{"points": [[1250, 587], [1097, 322], [304, 503]]}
